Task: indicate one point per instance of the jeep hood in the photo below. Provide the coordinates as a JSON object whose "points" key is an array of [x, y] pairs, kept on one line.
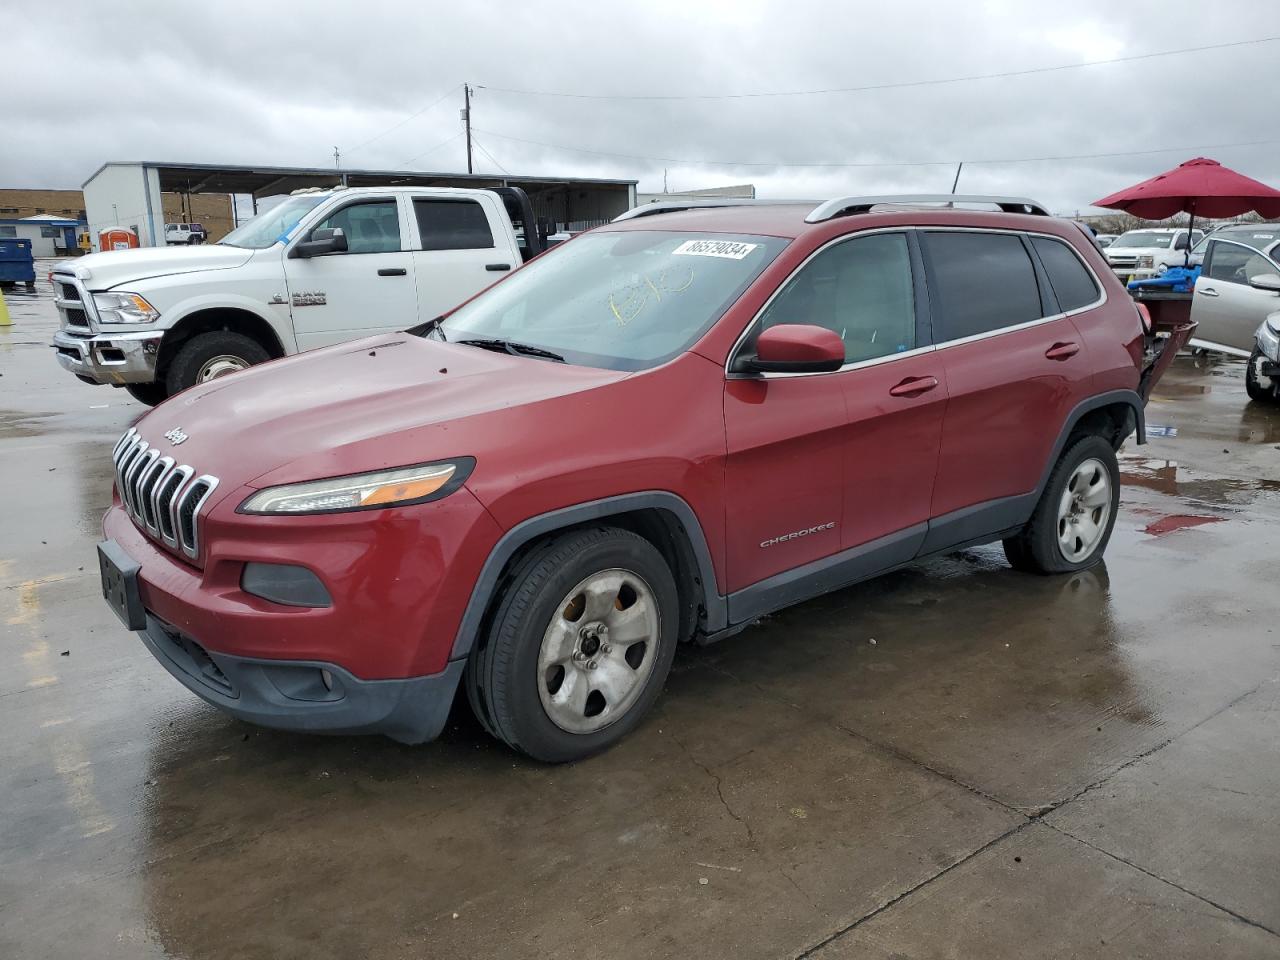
{"points": [[385, 401], [102, 271]]}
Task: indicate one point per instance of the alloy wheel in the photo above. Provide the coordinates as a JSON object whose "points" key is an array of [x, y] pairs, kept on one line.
{"points": [[1084, 510]]}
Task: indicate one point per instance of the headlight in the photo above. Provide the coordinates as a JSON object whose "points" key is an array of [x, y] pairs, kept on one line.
{"points": [[363, 491], [124, 308], [1146, 261]]}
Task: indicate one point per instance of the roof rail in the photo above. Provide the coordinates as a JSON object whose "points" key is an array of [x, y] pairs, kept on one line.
{"points": [[845, 206], [678, 206]]}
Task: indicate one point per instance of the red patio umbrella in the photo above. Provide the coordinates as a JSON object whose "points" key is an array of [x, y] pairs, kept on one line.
{"points": [[1200, 186]]}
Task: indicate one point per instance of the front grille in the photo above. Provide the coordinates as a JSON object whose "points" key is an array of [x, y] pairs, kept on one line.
{"points": [[69, 291], [76, 318], [1124, 262], [163, 497]]}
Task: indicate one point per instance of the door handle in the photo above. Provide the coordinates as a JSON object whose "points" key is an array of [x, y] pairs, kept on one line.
{"points": [[1207, 291], [392, 272], [913, 386], [1062, 351], [495, 267]]}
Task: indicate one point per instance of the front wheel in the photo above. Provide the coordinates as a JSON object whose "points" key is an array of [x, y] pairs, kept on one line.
{"points": [[1260, 388], [208, 356], [580, 645], [148, 393], [1072, 522]]}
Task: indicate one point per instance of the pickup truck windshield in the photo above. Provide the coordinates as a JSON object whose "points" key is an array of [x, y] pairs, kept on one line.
{"points": [[623, 300], [270, 225], [1143, 238]]}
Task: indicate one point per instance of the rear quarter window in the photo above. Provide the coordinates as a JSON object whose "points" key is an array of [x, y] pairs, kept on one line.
{"points": [[1070, 279], [981, 282]]}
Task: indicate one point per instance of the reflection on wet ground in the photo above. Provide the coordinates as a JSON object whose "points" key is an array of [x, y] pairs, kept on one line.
{"points": [[953, 760]]}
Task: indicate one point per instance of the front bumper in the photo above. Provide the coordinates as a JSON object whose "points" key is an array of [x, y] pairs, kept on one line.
{"points": [[294, 695], [1268, 344], [1129, 274], [109, 357]]}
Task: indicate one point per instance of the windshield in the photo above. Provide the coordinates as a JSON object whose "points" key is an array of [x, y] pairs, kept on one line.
{"points": [[623, 300], [272, 225], [1144, 238]]}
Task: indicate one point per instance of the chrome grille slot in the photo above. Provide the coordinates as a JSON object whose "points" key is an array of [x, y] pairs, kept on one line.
{"points": [[69, 291], [159, 493]]}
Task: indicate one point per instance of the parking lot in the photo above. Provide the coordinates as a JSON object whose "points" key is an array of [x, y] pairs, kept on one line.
{"points": [[955, 760]]}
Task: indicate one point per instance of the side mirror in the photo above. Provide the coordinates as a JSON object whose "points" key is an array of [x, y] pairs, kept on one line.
{"points": [[1265, 281], [797, 348], [1180, 244], [322, 241]]}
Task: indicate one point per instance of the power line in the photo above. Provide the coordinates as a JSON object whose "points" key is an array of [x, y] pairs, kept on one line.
{"points": [[887, 163], [894, 85], [479, 146], [442, 143], [412, 116]]}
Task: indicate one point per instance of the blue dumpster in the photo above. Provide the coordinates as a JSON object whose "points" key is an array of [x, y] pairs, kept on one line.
{"points": [[17, 265]]}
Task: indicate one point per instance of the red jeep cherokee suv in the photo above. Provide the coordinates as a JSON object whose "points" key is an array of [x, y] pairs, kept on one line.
{"points": [[656, 433]]}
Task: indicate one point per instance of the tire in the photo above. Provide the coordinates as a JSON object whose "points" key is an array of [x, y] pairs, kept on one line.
{"points": [[1260, 388], [1072, 523], [210, 355], [533, 686], [148, 393]]}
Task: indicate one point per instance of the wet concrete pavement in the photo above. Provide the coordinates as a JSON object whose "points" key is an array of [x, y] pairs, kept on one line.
{"points": [[1018, 766]]}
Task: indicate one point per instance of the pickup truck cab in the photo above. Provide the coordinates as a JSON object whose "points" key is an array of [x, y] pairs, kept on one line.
{"points": [[1142, 254], [176, 234], [318, 268]]}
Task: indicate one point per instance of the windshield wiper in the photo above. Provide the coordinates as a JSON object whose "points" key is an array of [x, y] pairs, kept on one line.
{"points": [[515, 349]]}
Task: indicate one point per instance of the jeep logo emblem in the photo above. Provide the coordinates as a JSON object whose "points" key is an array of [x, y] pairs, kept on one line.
{"points": [[176, 436]]}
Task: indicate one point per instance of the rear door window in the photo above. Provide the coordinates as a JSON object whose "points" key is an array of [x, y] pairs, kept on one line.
{"points": [[1071, 280], [447, 224], [981, 281]]}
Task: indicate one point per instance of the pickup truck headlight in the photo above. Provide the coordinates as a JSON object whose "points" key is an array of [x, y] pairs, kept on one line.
{"points": [[363, 491], [124, 308], [1146, 262]]}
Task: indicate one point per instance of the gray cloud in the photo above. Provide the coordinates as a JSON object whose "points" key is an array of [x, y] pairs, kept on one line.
{"points": [[282, 83]]}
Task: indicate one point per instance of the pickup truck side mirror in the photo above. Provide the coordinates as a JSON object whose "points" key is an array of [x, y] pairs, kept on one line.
{"points": [[322, 241], [1181, 243], [1265, 281], [796, 348]]}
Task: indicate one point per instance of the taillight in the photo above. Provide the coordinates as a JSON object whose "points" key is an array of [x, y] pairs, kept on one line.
{"points": [[1145, 316]]}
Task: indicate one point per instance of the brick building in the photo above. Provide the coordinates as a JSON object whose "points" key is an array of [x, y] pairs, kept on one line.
{"points": [[211, 209]]}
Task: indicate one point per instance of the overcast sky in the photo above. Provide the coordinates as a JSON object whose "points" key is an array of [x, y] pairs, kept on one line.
{"points": [[283, 83]]}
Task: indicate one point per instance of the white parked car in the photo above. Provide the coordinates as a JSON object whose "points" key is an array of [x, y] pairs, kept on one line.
{"points": [[1239, 287], [1141, 254], [176, 234], [319, 268]]}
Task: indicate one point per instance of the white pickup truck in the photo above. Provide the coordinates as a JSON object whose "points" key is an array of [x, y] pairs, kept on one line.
{"points": [[321, 267]]}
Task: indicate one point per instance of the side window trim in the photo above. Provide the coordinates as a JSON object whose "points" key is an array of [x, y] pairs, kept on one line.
{"points": [[919, 290], [357, 202], [1049, 306]]}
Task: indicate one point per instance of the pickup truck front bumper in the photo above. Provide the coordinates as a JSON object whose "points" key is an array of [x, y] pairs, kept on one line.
{"points": [[113, 358]]}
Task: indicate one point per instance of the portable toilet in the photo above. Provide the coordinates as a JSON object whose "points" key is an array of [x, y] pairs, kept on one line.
{"points": [[117, 238]]}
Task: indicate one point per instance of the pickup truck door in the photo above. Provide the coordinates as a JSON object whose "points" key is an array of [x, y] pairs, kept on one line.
{"points": [[367, 289], [461, 244], [1227, 309]]}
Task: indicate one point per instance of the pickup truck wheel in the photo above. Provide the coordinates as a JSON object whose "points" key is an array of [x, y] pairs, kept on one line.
{"points": [[148, 393], [580, 645], [1072, 523], [211, 355], [1258, 387]]}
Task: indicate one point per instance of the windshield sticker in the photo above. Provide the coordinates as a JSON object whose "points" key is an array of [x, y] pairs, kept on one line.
{"points": [[725, 249]]}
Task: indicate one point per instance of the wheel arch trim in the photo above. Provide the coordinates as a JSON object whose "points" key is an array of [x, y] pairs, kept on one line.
{"points": [[526, 531]]}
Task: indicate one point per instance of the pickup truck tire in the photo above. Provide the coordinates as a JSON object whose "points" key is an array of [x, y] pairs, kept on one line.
{"points": [[148, 393], [579, 647], [210, 355], [1073, 520], [1260, 388]]}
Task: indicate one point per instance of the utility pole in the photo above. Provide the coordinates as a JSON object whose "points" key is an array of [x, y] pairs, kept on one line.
{"points": [[466, 119], [337, 166], [956, 182]]}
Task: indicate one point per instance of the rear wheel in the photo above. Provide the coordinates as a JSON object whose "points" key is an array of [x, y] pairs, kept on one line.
{"points": [[148, 393], [1072, 523], [211, 355], [580, 645], [1258, 387]]}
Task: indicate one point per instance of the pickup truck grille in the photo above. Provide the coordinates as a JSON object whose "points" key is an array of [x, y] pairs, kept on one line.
{"points": [[72, 302], [163, 497]]}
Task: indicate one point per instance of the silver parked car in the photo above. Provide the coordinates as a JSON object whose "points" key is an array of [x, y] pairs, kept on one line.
{"points": [[1239, 286], [1262, 379]]}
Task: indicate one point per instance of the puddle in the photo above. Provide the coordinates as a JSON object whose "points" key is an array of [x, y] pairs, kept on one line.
{"points": [[1169, 477]]}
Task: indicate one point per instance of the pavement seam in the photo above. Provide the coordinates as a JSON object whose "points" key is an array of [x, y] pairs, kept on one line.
{"points": [[812, 950], [1165, 880], [715, 779]]}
